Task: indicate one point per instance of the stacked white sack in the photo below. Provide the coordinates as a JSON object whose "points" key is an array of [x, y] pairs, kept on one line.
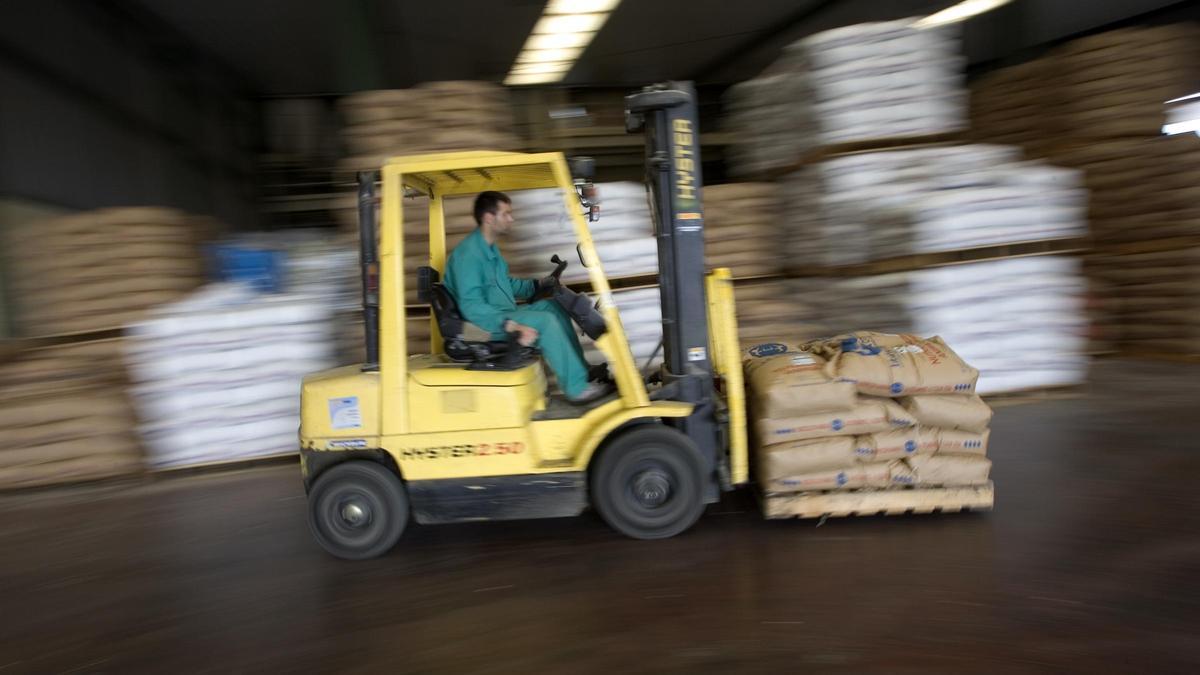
{"points": [[217, 375]]}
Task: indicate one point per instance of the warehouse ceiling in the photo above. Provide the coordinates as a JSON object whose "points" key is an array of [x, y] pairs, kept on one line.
{"points": [[298, 47]]}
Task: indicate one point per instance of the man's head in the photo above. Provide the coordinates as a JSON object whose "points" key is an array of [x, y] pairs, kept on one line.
{"points": [[493, 212]]}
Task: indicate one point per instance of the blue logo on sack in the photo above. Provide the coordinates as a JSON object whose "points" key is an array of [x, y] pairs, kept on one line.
{"points": [[841, 478], [853, 344], [767, 349], [897, 388], [910, 446], [837, 425], [961, 387]]}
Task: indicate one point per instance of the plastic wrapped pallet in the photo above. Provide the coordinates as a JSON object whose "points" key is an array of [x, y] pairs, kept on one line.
{"points": [[850, 84], [624, 234], [97, 270], [216, 374], [65, 417], [1021, 321], [870, 206]]}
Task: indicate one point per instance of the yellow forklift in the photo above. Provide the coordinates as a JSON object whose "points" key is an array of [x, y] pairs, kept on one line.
{"points": [[469, 432]]}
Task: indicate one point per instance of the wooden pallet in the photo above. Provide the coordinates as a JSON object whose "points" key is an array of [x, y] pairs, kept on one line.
{"points": [[1024, 249], [818, 155], [891, 502], [1039, 395]]}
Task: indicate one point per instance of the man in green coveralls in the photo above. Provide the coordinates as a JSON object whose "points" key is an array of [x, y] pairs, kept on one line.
{"points": [[477, 277]]}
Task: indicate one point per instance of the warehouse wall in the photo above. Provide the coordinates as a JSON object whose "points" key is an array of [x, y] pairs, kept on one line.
{"points": [[103, 106]]}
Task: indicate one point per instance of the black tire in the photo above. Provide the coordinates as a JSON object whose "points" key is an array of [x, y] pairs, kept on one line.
{"points": [[357, 510], [648, 483]]}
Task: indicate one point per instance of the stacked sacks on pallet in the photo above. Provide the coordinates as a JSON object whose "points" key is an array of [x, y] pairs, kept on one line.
{"points": [[65, 417], [100, 269], [852, 84], [865, 410], [1156, 308], [217, 374], [433, 117], [741, 229]]}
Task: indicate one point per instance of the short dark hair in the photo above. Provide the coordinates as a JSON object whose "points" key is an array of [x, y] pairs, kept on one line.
{"points": [[489, 202]]}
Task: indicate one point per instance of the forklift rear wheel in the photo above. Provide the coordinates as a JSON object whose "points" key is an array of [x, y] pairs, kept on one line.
{"points": [[357, 510], [649, 483]]}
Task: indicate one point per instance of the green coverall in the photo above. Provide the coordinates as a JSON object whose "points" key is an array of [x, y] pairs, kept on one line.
{"points": [[477, 277]]}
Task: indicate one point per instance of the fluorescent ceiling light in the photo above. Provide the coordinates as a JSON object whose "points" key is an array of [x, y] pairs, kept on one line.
{"points": [[547, 55], [532, 78], [580, 6], [960, 12], [1182, 115], [570, 23], [558, 39], [525, 68]]}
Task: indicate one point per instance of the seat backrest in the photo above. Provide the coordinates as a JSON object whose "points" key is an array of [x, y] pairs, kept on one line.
{"points": [[445, 310]]}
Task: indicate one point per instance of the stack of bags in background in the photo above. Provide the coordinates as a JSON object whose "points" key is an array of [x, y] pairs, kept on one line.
{"points": [[1155, 306], [1141, 188], [741, 229], [769, 308], [64, 416], [217, 375], [1107, 86], [624, 234], [1020, 321], [432, 117], [871, 206], [98, 270], [858, 83], [865, 410], [1096, 104], [774, 129], [641, 317]]}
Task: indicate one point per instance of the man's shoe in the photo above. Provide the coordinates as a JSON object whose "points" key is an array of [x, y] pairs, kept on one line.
{"points": [[592, 392]]}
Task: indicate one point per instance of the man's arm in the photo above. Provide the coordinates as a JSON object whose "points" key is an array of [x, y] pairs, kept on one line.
{"points": [[523, 289]]}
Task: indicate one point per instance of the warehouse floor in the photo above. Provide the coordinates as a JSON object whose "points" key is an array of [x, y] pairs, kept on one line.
{"points": [[1088, 563]]}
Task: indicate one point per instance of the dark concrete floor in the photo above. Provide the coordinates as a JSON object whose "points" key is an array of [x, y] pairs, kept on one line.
{"points": [[1088, 564]]}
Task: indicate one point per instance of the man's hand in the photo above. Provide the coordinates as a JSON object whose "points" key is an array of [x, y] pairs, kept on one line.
{"points": [[526, 336], [546, 284]]}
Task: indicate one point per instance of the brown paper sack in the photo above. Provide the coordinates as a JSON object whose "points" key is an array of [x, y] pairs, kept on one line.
{"points": [[953, 470], [883, 364], [786, 381], [868, 475], [968, 413], [869, 416]]}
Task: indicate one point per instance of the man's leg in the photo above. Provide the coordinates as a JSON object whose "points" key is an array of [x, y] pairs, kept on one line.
{"points": [[559, 346], [564, 318]]}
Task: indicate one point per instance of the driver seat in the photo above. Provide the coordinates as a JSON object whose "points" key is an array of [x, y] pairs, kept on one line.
{"points": [[481, 355]]}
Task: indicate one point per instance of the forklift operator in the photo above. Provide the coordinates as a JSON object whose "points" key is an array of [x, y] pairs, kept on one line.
{"points": [[477, 277]]}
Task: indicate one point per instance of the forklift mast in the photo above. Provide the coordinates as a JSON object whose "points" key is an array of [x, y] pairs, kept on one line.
{"points": [[666, 114]]}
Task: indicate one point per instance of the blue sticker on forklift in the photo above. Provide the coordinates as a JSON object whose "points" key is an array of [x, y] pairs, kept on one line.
{"points": [[344, 413]]}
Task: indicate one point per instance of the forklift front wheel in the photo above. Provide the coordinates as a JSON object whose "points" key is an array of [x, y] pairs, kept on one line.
{"points": [[357, 510], [649, 483]]}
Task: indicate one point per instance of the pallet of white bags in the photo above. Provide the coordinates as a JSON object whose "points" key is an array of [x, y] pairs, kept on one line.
{"points": [[871, 502]]}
